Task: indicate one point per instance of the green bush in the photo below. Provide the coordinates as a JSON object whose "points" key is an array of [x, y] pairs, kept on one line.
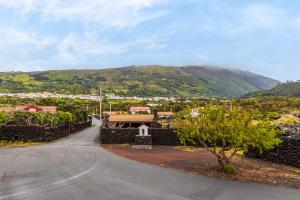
{"points": [[229, 169], [2, 118], [273, 115], [40, 118]]}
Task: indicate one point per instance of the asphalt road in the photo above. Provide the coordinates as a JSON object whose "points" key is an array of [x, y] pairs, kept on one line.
{"points": [[76, 168]]}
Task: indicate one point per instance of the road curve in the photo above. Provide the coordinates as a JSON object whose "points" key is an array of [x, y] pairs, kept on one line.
{"points": [[77, 168]]}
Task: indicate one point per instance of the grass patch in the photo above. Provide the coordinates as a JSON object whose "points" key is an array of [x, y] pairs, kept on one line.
{"points": [[10, 144]]}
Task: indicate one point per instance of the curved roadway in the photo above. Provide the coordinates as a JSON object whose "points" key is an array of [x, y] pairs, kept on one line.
{"points": [[76, 168]]}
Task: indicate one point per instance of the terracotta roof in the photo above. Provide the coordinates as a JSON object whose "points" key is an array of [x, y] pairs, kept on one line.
{"points": [[131, 118], [164, 113], [139, 108], [114, 112], [51, 109]]}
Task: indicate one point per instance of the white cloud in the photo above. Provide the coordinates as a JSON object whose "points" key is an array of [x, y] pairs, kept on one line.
{"points": [[115, 13], [11, 36], [159, 39], [73, 49], [258, 16], [231, 21]]}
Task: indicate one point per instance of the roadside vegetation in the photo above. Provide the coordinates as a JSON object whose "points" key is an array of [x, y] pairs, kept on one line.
{"points": [[69, 111], [13, 144], [224, 132]]}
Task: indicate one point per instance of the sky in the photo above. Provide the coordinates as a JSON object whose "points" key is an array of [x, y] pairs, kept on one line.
{"points": [[262, 36]]}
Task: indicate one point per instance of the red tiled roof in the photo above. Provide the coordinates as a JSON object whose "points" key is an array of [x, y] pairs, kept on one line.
{"points": [[131, 118]]}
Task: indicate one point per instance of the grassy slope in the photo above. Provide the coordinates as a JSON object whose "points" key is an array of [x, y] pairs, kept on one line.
{"points": [[139, 81], [288, 89]]}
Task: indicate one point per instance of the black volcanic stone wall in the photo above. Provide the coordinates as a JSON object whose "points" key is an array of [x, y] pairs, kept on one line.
{"points": [[288, 152], [160, 136], [118, 136], [22, 133], [38, 133], [164, 136]]}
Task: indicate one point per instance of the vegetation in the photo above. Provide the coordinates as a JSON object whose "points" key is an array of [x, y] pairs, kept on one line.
{"points": [[2, 118], [139, 81], [7, 144], [69, 111], [224, 132], [290, 89], [39, 118]]}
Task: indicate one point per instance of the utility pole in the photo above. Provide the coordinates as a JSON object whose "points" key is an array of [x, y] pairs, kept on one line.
{"points": [[110, 108], [100, 110]]}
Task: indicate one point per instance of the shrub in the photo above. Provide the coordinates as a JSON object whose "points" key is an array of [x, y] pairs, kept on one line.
{"points": [[3, 118], [229, 169], [288, 119], [23, 118], [273, 115], [296, 113], [40, 118]]}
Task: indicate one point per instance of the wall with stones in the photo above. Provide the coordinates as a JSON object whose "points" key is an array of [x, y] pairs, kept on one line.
{"points": [[160, 136], [288, 152], [118, 135], [164, 136], [38, 133]]}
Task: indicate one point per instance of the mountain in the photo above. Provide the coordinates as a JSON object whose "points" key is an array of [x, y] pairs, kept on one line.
{"points": [[206, 81], [291, 89]]}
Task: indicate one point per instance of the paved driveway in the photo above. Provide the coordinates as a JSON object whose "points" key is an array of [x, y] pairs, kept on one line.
{"points": [[76, 168]]}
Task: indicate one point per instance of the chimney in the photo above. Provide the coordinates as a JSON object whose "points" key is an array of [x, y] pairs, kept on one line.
{"points": [[155, 118]]}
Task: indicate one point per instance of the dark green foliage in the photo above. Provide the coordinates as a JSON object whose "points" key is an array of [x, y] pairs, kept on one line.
{"points": [[139, 81], [39, 118], [3, 118]]}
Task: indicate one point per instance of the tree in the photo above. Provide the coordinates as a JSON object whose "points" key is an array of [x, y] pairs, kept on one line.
{"points": [[224, 132]]}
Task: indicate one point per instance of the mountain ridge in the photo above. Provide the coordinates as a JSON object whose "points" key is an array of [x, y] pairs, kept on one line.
{"points": [[290, 89], [153, 80]]}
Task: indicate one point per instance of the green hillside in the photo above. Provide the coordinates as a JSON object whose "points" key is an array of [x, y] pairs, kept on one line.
{"points": [[139, 81], [291, 89]]}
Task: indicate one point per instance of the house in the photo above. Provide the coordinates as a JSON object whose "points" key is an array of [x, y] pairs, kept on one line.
{"points": [[139, 110], [164, 115], [106, 114], [132, 121], [50, 109]]}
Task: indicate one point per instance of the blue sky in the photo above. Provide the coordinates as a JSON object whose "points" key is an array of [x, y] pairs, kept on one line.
{"points": [[262, 36]]}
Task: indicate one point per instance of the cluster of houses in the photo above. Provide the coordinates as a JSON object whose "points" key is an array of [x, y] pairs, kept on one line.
{"points": [[86, 97], [50, 109]]}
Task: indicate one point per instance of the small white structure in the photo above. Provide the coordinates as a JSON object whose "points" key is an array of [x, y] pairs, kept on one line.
{"points": [[143, 130]]}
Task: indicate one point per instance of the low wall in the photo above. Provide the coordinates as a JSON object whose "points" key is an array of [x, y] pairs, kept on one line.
{"points": [[164, 136], [287, 152], [118, 135], [38, 133], [160, 136]]}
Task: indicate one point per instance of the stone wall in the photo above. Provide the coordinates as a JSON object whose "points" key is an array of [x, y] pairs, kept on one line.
{"points": [[288, 152], [160, 136], [118, 135], [38, 133], [22, 133], [164, 136]]}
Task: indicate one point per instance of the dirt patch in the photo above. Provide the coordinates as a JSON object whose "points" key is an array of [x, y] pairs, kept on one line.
{"points": [[199, 161]]}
